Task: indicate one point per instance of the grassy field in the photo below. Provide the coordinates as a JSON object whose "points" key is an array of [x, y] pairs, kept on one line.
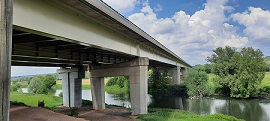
{"points": [[32, 99], [180, 115], [266, 79]]}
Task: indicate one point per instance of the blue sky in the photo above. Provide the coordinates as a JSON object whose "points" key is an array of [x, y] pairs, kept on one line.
{"points": [[193, 28]]}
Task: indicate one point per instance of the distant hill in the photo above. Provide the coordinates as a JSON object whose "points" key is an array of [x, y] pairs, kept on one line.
{"points": [[30, 75]]}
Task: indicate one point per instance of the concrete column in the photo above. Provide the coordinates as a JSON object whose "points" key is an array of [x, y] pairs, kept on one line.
{"points": [[72, 86], [5, 56], [139, 87], [178, 103], [183, 70], [98, 93], [176, 75]]}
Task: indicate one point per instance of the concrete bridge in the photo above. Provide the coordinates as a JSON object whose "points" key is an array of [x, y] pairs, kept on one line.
{"points": [[74, 35]]}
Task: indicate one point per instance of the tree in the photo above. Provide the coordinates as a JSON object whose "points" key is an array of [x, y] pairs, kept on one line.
{"points": [[42, 84], [158, 80], [239, 73], [196, 82]]}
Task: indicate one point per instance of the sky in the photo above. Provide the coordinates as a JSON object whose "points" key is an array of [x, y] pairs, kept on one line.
{"points": [[193, 28]]}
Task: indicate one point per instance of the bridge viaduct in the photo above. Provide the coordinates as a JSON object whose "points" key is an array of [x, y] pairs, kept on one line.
{"points": [[74, 35]]}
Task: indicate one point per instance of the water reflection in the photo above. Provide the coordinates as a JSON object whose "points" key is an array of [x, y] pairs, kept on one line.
{"points": [[250, 110]]}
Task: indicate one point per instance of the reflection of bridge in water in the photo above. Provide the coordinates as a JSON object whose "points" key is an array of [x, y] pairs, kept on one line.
{"points": [[73, 35]]}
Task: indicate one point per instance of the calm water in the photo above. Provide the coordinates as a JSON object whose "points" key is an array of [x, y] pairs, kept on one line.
{"points": [[250, 110]]}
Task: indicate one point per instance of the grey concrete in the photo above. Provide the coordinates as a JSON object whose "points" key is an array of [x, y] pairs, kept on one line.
{"points": [[139, 89], [5, 56], [137, 70], [183, 71], [176, 75], [72, 85], [98, 93]]}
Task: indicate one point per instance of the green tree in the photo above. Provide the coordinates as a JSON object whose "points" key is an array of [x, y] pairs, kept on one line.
{"points": [[42, 84], [15, 86], [239, 73], [196, 82], [159, 81]]}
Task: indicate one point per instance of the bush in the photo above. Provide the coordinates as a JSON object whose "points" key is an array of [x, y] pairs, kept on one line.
{"points": [[15, 86], [197, 83], [121, 81], [74, 111]]}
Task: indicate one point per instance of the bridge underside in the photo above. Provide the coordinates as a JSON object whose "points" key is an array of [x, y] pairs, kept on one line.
{"points": [[31, 48], [76, 35]]}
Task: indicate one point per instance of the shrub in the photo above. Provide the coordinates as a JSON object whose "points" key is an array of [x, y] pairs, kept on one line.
{"points": [[15, 86], [121, 81], [196, 82]]}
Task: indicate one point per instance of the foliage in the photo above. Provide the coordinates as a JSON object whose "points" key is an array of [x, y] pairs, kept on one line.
{"points": [[42, 84], [197, 83], [238, 73], [86, 102], [157, 81], [157, 114], [32, 99], [206, 67], [267, 60], [118, 85], [73, 111], [121, 81], [15, 86]]}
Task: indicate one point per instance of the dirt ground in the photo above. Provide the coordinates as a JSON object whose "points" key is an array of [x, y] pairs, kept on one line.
{"points": [[21, 113]]}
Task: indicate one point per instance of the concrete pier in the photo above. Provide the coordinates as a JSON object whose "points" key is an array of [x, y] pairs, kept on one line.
{"points": [[72, 85], [176, 75], [137, 70], [5, 56], [98, 93]]}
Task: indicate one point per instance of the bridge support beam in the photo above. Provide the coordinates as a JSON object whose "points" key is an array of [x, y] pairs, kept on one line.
{"points": [[72, 85], [5, 57], [176, 75], [137, 70]]}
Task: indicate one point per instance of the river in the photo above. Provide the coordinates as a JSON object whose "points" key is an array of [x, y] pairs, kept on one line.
{"points": [[250, 110]]}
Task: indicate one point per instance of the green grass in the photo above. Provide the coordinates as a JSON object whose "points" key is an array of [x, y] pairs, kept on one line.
{"points": [[32, 99], [86, 87], [115, 89], [266, 79], [156, 114]]}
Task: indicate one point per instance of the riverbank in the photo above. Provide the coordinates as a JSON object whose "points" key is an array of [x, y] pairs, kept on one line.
{"points": [[113, 112], [156, 114]]}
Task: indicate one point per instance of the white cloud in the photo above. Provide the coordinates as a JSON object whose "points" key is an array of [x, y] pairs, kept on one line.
{"points": [[122, 6], [256, 21], [192, 36], [158, 8]]}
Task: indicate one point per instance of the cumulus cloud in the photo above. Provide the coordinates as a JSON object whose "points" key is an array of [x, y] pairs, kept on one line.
{"points": [[158, 8], [191, 36], [256, 22], [122, 5]]}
